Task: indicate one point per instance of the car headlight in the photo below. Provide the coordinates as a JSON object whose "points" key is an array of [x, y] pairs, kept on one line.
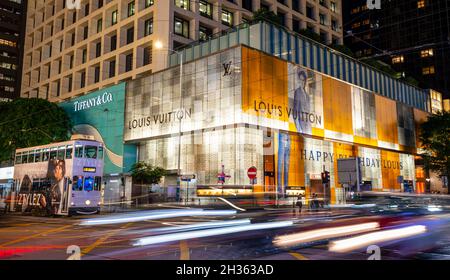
{"points": [[88, 202]]}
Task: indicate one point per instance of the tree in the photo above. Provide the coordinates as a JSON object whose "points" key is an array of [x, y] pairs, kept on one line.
{"points": [[264, 14], [145, 173], [311, 35], [27, 122], [435, 138]]}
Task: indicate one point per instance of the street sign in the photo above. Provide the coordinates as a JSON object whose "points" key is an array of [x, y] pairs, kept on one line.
{"points": [[222, 176], [251, 172], [187, 178]]}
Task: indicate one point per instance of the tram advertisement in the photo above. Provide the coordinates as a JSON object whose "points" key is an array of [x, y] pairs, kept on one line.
{"points": [[46, 189]]}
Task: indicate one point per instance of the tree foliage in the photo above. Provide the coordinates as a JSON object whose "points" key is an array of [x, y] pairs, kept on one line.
{"points": [[145, 173], [30, 122], [264, 14], [435, 138]]}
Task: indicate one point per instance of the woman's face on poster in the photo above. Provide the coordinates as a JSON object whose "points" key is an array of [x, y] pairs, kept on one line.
{"points": [[301, 79], [58, 171]]}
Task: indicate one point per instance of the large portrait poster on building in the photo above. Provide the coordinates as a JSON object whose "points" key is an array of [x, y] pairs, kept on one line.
{"points": [[280, 95]]}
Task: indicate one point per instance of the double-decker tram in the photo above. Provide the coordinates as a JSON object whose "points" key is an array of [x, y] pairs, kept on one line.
{"points": [[60, 178]]}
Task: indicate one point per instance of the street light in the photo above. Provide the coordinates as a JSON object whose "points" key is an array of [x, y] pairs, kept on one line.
{"points": [[160, 46]]}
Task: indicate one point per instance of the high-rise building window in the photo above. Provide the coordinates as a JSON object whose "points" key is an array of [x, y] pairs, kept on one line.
{"points": [[99, 25], [130, 35], [148, 27], [71, 62], [98, 49], [296, 5], [86, 9], [100, 3], [131, 9], [333, 6], [322, 19], [205, 9], [112, 68], [84, 56], [247, 4], [96, 74], [113, 42], [85, 32], [184, 4], [296, 25], [421, 4], [310, 12], [428, 70], [58, 88], [82, 79], [398, 59], [149, 3], [147, 55], [204, 33], [426, 53], [59, 66], [69, 84], [129, 62], [334, 25], [181, 27], [114, 17], [227, 17]]}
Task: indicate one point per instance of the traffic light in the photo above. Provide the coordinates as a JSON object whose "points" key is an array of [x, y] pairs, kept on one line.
{"points": [[325, 177]]}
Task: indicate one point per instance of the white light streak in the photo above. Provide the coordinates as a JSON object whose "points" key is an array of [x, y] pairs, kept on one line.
{"points": [[319, 234], [353, 243], [197, 226], [210, 232], [157, 214], [231, 204]]}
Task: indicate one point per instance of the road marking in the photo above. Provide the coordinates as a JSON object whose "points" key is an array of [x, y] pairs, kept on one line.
{"points": [[298, 256], [184, 251], [34, 236], [99, 241]]}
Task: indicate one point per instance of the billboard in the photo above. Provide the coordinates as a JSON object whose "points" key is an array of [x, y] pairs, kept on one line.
{"points": [[101, 114]]}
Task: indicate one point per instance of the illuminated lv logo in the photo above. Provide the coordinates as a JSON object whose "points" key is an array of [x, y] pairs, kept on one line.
{"points": [[227, 68], [374, 4], [73, 4]]}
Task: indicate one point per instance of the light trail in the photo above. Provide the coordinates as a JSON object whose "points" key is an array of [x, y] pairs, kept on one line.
{"points": [[156, 214], [197, 226], [353, 243], [210, 232], [231, 204], [319, 234]]}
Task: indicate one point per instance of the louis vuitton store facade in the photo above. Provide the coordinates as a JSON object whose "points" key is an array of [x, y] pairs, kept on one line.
{"points": [[244, 108]]}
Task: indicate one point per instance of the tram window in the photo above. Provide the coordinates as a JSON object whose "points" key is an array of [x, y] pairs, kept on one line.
{"points": [[45, 154], [78, 151], [61, 152], [69, 151], [88, 184], [37, 156], [97, 183], [35, 185], [90, 151], [53, 153], [100, 152], [18, 158], [31, 157], [77, 184]]}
